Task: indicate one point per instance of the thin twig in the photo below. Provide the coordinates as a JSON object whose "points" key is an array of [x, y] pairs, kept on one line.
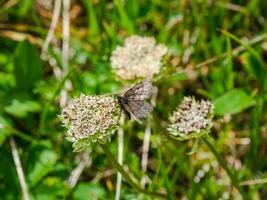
{"points": [[66, 35], [254, 182], [19, 169], [230, 6], [120, 158], [104, 174], [8, 4], [146, 146], [52, 61], [55, 17], [84, 161], [19, 36], [75, 174], [146, 141], [65, 50], [145, 150]]}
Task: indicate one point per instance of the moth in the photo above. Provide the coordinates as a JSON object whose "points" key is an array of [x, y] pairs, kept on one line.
{"points": [[133, 101]]}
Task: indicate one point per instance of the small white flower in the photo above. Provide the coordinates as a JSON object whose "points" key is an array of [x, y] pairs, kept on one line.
{"points": [[139, 57]]}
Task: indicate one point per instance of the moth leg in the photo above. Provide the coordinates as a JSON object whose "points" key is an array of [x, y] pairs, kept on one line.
{"points": [[127, 113]]}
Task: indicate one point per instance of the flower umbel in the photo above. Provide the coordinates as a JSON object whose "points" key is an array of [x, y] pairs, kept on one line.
{"points": [[139, 57], [90, 119], [192, 118]]}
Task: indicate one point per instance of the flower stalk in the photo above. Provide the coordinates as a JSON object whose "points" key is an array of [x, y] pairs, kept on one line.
{"points": [[120, 158], [125, 174]]}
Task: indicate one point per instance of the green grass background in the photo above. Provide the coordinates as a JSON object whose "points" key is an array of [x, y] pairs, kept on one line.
{"points": [[195, 31]]}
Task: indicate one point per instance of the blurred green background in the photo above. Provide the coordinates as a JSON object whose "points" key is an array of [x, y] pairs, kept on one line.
{"points": [[218, 51]]}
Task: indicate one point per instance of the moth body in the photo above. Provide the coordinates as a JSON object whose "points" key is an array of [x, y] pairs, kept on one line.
{"points": [[133, 101]]}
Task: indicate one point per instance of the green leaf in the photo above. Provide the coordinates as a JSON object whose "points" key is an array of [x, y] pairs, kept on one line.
{"points": [[19, 108], [86, 191], [51, 188], [6, 79], [41, 160], [4, 133], [28, 66], [195, 146], [233, 102]]}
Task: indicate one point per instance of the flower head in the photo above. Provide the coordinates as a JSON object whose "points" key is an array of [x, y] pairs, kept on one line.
{"points": [[90, 119], [139, 57], [192, 118]]}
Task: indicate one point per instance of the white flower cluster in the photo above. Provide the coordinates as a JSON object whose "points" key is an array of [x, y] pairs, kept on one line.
{"points": [[139, 57], [90, 119], [192, 116]]}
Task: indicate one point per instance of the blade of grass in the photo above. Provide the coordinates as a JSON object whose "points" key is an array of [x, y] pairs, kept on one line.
{"points": [[163, 171], [126, 22], [245, 45], [226, 168], [229, 82], [255, 133], [93, 27]]}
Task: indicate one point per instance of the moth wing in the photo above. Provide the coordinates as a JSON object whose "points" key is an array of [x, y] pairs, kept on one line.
{"points": [[140, 91], [139, 109]]}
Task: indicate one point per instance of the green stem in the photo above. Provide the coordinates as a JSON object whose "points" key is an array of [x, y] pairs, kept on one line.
{"points": [[18, 133], [126, 175], [226, 168]]}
